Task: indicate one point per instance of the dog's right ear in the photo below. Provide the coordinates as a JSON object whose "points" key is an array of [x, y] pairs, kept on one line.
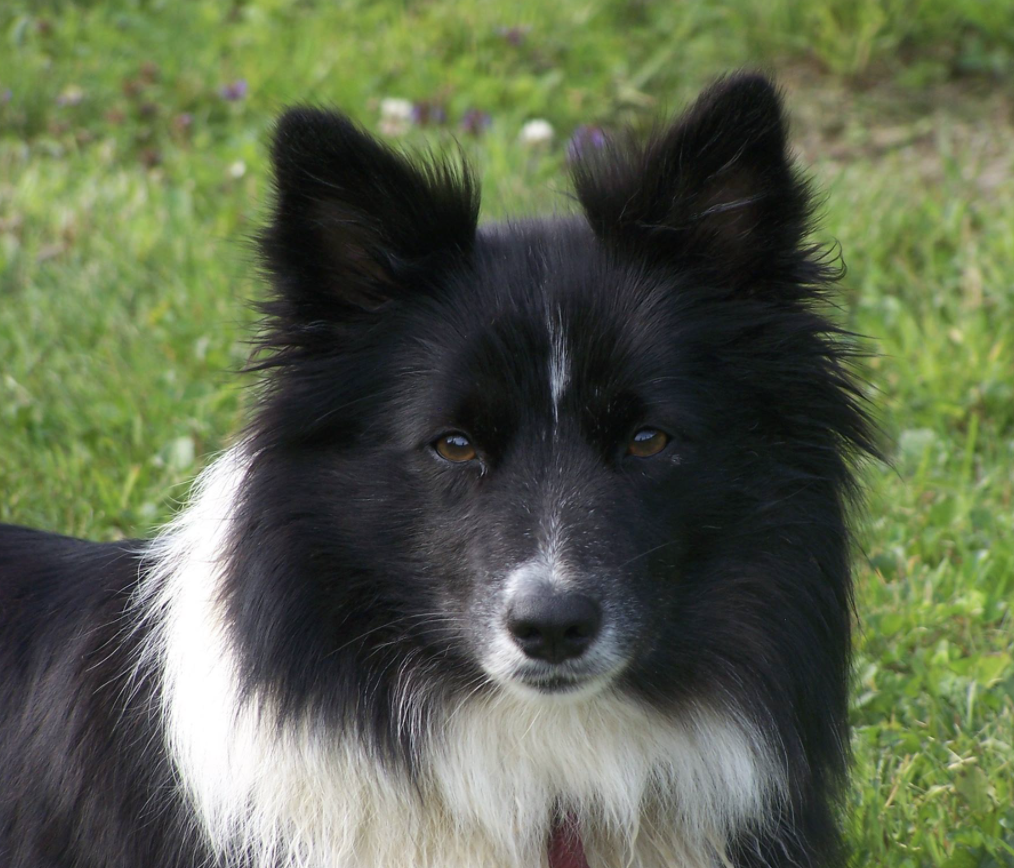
{"points": [[356, 223]]}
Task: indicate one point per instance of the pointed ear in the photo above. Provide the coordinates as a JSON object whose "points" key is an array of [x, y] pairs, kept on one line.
{"points": [[356, 223], [715, 191]]}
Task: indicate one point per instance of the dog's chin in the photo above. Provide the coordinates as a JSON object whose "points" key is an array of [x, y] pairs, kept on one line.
{"points": [[556, 687]]}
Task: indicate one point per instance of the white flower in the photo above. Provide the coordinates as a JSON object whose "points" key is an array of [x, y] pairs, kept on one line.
{"points": [[395, 116], [536, 133]]}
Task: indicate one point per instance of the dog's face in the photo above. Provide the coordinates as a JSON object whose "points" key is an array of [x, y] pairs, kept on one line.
{"points": [[552, 456], [549, 430]]}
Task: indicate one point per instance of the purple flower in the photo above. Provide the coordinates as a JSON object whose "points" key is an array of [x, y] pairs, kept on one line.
{"points": [[585, 139], [513, 35], [475, 122], [234, 90], [6, 95], [424, 113]]}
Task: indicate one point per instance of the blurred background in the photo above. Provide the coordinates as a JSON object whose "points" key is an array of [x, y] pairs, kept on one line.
{"points": [[133, 175]]}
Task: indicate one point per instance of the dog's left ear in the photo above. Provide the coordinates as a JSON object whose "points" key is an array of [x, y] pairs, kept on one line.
{"points": [[714, 193]]}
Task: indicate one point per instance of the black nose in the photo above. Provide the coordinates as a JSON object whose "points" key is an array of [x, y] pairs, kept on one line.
{"points": [[554, 627]]}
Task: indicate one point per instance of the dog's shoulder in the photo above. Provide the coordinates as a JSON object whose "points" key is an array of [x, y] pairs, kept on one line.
{"points": [[49, 582], [77, 732]]}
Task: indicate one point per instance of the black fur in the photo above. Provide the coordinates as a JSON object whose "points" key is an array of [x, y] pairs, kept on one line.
{"points": [[691, 301], [85, 777]]}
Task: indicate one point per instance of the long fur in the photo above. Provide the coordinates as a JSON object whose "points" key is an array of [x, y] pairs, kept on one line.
{"points": [[313, 665], [657, 791]]}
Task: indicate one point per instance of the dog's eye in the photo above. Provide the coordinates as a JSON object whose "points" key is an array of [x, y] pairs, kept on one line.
{"points": [[455, 447], [647, 442]]}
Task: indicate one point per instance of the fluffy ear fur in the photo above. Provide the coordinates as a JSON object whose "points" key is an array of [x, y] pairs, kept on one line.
{"points": [[355, 222], [715, 191]]}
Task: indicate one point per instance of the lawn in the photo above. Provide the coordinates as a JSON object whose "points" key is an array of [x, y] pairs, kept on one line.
{"points": [[133, 174]]}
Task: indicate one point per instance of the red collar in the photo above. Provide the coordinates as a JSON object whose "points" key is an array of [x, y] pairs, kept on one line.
{"points": [[565, 847]]}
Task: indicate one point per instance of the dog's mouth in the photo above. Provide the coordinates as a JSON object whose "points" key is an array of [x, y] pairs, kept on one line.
{"points": [[554, 683], [545, 682]]}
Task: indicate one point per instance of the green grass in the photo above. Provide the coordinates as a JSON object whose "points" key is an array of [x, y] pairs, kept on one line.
{"points": [[129, 188]]}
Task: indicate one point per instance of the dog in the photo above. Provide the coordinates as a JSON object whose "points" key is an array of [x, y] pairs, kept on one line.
{"points": [[535, 551]]}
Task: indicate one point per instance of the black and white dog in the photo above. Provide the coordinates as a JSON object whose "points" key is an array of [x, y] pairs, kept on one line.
{"points": [[535, 552]]}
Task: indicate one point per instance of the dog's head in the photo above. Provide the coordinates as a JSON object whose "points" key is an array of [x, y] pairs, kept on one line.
{"points": [[555, 456]]}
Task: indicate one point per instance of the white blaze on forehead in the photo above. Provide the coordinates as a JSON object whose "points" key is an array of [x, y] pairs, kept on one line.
{"points": [[559, 366]]}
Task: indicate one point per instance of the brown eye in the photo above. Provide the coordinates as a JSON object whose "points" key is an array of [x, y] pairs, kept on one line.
{"points": [[647, 442], [455, 447]]}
